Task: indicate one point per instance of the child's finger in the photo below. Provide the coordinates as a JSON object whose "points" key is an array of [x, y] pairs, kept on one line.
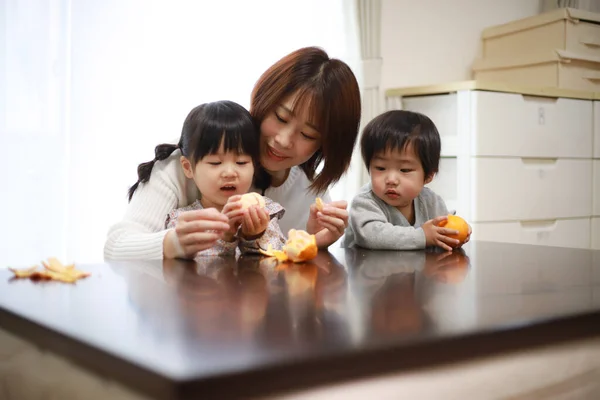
{"points": [[232, 207], [436, 221], [248, 221], [447, 232], [443, 245], [263, 216], [236, 220], [234, 199], [448, 240], [235, 214]]}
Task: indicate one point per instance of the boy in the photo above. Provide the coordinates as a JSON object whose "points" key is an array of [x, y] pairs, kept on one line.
{"points": [[401, 150]]}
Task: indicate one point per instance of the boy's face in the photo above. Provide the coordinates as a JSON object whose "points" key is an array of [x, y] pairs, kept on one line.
{"points": [[397, 177]]}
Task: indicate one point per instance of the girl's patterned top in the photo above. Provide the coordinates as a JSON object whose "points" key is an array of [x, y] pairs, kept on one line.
{"points": [[239, 245]]}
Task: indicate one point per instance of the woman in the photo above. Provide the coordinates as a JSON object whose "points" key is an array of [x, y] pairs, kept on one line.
{"points": [[307, 107]]}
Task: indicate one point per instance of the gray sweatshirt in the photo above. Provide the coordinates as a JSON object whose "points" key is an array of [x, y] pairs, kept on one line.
{"points": [[376, 225]]}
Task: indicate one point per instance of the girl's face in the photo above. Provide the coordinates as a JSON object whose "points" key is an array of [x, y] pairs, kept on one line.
{"points": [[220, 176], [287, 137]]}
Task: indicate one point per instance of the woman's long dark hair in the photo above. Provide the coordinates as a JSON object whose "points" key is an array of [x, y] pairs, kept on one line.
{"points": [[205, 128]]}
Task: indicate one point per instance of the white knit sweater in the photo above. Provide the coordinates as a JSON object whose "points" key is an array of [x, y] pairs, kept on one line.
{"points": [[140, 234]]}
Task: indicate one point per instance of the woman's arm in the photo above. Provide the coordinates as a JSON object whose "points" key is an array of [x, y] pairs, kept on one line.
{"points": [[141, 232]]}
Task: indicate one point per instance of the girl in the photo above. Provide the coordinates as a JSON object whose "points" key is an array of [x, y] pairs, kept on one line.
{"points": [[307, 106], [218, 147]]}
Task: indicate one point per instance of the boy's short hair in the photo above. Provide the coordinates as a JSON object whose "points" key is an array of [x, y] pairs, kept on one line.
{"points": [[395, 130]]}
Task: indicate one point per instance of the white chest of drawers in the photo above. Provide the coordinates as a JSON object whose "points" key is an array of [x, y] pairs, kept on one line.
{"points": [[520, 165], [596, 176]]}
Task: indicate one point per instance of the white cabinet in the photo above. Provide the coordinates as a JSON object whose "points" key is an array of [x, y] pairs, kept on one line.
{"points": [[596, 233], [596, 185], [511, 124], [597, 128], [520, 167], [553, 232], [596, 177]]}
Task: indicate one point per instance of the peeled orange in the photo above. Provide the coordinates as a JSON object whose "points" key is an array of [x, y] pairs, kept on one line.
{"points": [[458, 224], [300, 246], [252, 199]]}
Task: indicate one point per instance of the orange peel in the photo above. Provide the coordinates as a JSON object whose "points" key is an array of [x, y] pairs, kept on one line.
{"points": [[54, 270], [300, 246]]}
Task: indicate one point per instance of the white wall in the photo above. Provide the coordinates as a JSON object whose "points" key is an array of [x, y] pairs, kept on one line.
{"points": [[435, 41], [88, 89]]}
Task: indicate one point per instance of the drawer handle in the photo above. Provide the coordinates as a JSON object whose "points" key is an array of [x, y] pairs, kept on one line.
{"points": [[539, 99], [539, 225], [590, 41], [539, 162], [593, 76]]}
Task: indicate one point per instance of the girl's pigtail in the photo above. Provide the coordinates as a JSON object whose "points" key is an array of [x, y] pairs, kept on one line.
{"points": [[161, 152]]}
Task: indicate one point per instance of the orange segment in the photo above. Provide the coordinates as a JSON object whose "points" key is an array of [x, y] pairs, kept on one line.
{"points": [[319, 203]]}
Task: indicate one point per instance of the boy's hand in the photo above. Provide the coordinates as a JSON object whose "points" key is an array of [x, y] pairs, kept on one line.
{"points": [[438, 236], [254, 222], [468, 236]]}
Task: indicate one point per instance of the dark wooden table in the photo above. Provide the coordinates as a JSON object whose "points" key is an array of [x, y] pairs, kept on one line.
{"points": [[229, 327]]}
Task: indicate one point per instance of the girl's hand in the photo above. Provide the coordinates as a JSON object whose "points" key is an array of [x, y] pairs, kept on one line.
{"points": [[234, 213], [255, 222], [329, 224], [438, 236], [195, 231]]}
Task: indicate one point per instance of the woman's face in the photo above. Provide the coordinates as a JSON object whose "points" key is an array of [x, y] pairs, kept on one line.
{"points": [[287, 137]]}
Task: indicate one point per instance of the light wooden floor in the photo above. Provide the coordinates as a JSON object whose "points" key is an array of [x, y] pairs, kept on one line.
{"points": [[567, 371]]}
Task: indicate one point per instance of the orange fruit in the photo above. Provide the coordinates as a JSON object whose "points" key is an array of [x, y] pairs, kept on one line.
{"points": [[458, 224], [252, 199], [300, 246]]}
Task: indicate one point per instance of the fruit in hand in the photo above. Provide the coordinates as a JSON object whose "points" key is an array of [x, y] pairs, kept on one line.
{"points": [[252, 199], [458, 224]]}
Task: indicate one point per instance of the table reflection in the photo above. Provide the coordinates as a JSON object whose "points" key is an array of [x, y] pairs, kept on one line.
{"points": [[399, 289], [226, 299]]}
